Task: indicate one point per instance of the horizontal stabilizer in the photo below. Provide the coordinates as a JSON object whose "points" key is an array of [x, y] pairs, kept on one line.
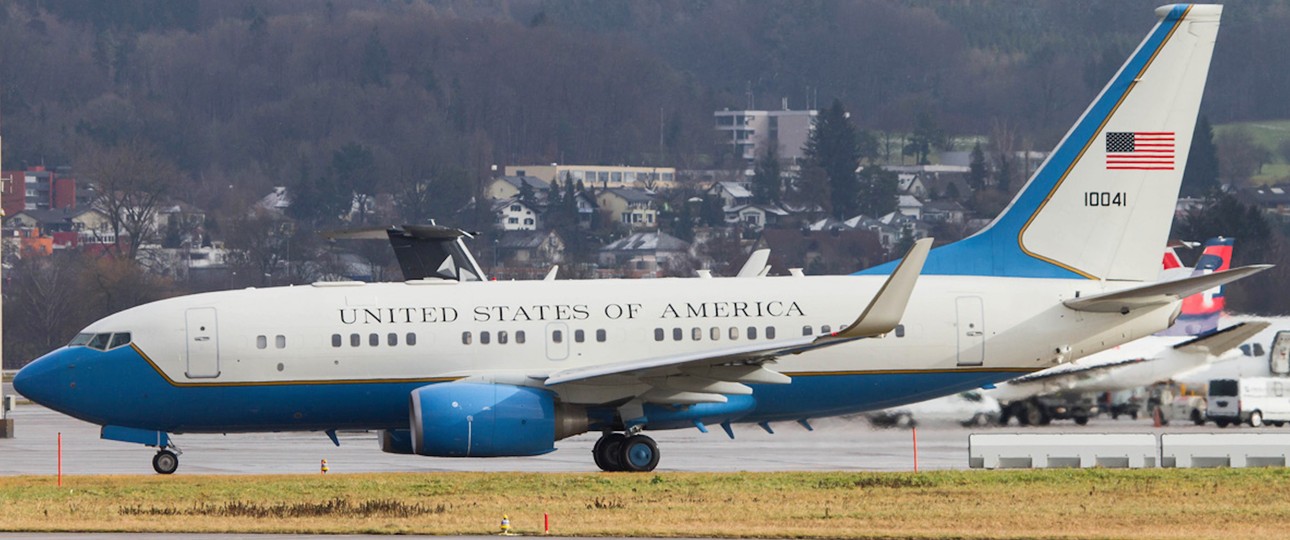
{"points": [[1075, 371], [1217, 343], [1156, 294]]}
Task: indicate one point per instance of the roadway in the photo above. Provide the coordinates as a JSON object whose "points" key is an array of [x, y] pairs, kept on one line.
{"points": [[836, 444]]}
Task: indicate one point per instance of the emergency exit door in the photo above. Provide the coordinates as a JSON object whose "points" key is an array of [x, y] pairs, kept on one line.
{"points": [[971, 331], [202, 346], [557, 341]]}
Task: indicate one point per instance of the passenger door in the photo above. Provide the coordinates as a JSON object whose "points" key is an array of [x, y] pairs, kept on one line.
{"points": [[970, 328], [202, 345]]}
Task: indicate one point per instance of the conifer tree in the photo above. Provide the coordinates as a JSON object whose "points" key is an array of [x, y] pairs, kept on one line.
{"points": [[833, 147]]}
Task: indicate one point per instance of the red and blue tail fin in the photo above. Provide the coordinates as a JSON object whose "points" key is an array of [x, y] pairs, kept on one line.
{"points": [[1200, 312]]}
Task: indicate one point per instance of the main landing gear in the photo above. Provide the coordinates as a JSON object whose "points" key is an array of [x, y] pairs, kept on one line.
{"points": [[616, 452], [165, 462]]}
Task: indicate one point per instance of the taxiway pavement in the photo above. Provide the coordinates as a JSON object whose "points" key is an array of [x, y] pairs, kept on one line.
{"points": [[835, 444]]}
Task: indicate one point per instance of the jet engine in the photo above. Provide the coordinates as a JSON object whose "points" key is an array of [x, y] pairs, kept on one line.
{"points": [[489, 420]]}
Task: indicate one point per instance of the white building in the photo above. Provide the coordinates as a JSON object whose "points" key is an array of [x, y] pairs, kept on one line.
{"points": [[752, 132]]}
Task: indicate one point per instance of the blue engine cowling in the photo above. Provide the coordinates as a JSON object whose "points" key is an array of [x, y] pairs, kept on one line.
{"points": [[482, 420]]}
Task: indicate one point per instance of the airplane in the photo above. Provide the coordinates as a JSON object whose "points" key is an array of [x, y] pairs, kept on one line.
{"points": [[1194, 340], [1266, 354], [454, 365]]}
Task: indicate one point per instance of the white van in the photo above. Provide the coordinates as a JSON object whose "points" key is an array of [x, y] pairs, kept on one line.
{"points": [[1255, 400]]}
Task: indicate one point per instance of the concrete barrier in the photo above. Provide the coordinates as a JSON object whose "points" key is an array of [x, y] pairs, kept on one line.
{"points": [[1054, 450], [1225, 449]]}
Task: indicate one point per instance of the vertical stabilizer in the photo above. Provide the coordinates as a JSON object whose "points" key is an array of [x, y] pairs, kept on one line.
{"points": [[1201, 311], [1101, 205]]}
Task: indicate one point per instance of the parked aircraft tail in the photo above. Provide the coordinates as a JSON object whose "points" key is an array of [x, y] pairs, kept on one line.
{"points": [[1101, 204], [1201, 311]]}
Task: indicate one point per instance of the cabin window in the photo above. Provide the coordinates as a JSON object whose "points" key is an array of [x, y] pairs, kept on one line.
{"points": [[770, 332], [826, 329], [752, 332], [900, 330], [579, 336], [355, 340], [261, 342], [119, 339], [600, 335], [280, 341], [374, 340], [696, 334], [410, 339], [806, 330], [335, 340], [557, 336], [484, 338], [392, 339], [465, 338], [678, 334], [502, 337], [519, 337], [734, 333], [715, 333], [658, 334]]}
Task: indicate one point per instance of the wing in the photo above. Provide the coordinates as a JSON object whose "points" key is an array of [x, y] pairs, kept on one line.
{"points": [[703, 377]]}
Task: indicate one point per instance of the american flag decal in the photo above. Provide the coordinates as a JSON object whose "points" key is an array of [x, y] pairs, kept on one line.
{"points": [[1140, 150]]}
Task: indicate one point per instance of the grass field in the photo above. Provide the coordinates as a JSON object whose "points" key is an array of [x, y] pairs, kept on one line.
{"points": [[1098, 503], [1269, 134]]}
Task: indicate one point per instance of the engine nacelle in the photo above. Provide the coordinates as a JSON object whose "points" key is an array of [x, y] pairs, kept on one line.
{"points": [[483, 420], [395, 441]]}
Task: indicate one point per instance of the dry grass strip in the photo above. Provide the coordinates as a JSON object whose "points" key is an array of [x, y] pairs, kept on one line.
{"points": [[1096, 503]]}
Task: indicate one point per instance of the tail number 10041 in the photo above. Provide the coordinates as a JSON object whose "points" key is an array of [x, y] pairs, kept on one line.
{"points": [[1106, 198]]}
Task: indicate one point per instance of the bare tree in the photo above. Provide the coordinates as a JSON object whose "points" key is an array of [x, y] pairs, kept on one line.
{"points": [[131, 181]]}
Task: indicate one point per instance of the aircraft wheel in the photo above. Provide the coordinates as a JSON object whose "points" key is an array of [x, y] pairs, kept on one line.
{"points": [[639, 454], [1031, 415], [1221, 423], [1081, 420], [1197, 418], [165, 462], [608, 452], [1256, 419]]}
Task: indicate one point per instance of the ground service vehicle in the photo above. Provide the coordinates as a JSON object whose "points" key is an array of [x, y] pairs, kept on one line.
{"points": [[1256, 401]]}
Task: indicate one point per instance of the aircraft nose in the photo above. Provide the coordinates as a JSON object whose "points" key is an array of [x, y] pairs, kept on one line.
{"points": [[39, 380]]}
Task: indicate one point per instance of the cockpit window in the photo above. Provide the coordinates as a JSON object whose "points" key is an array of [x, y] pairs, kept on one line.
{"points": [[100, 341], [119, 339]]}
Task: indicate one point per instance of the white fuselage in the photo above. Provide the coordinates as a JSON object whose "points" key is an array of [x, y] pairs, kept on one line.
{"points": [[342, 331]]}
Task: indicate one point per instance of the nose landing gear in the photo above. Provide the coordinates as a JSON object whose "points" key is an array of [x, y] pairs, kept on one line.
{"points": [[616, 452]]}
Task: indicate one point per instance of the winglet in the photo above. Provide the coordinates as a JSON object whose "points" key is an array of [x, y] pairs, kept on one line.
{"points": [[888, 306], [755, 264]]}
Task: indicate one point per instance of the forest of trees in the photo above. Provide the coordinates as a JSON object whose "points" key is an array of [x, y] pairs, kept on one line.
{"points": [[254, 94]]}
